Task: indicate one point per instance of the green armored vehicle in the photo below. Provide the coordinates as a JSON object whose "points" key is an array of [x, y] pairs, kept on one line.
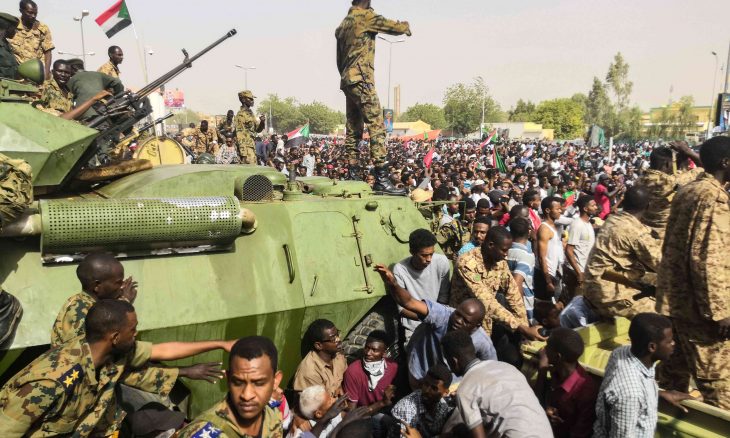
{"points": [[219, 252]]}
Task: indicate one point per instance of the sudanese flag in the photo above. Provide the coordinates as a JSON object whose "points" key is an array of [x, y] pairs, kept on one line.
{"points": [[114, 19]]}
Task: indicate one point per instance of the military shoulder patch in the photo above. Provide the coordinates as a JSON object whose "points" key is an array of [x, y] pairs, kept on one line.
{"points": [[207, 431], [71, 378]]}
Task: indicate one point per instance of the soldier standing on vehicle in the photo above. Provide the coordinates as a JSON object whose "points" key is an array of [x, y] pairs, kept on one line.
{"points": [[111, 68], [228, 127], [694, 273], [33, 38], [8, 63], [247, 126], [356, 64]]}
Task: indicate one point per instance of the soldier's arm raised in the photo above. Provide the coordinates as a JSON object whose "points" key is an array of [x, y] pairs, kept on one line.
{"points": [[400, 295], [379, 24], [182, 350]]}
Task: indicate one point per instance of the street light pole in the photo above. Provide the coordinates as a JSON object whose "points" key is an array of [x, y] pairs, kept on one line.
{"points": [[481, 127], [80, 19], [390, 59], [147, 51], [245, 74], [712, 100]]}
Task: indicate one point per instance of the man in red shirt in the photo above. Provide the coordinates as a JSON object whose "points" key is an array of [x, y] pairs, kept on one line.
{"points": [[570, 395], [367, 380], [603, 196]]}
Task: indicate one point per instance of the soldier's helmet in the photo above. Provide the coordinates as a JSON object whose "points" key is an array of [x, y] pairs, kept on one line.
{"points": [[205, 158]]}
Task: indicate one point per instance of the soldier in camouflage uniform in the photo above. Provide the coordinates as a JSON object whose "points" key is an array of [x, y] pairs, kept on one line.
{"points": [[228, 127], [483, 273], [623, 262], [8, 63], [55, 97], [247, 126], [33, 39], [205, 139], [662, 183], [244, 412], [694, 275], [69, 388], [356, 64], [111, 67]]}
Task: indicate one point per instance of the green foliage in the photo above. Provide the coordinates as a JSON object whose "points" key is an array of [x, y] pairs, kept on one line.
{"points": [[463, 105], [617, 80], [685, 120], [322, 119], [582, 100], [184, 117], [599, 110], [565, 116], [428, 112], [522, 112]]}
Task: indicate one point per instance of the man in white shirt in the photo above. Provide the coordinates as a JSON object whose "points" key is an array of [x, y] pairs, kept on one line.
{"points": [[581, 238]]}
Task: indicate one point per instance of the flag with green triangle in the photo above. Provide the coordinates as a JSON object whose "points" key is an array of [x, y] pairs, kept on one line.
{"points": [[114, 19]]}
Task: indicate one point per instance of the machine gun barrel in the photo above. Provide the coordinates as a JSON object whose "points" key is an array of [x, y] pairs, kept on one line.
{"points": [[156, 122], [187, 63]]}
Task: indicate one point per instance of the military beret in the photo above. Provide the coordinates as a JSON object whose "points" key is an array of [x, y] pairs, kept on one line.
{"points": [[9, 18], [246, 93], [74, 61]]}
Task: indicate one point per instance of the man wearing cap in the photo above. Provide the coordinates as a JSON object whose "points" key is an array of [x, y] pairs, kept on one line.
{"points": [[33, 38], [8, 63], [247, 126], [355, 62]]}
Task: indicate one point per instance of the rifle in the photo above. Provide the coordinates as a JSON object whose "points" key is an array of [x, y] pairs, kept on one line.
{"points": [[118, 115], [120, 147]]}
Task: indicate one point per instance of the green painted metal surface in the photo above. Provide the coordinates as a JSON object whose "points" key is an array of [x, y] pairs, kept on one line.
{"points": [[51, 145], [307, 259]]}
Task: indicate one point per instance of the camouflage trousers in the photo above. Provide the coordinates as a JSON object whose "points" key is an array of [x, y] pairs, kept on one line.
{"points": [[247, 151], [707, 356], [363, 108], [16, 189]]}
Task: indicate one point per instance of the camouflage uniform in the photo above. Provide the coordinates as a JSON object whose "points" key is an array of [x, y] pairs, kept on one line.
{"points": [[452, 236], [16, 189], [246, 124], [626, 247], [61, 392], [694, 282], [217, 422], [54, 98], [662, 187], [472, 280], [203, 142], [356, 64], [31, 43], [110, 69]]}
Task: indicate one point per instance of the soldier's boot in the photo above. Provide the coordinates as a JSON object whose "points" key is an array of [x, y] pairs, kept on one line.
{"points": [[10, 313], [383, 183]]}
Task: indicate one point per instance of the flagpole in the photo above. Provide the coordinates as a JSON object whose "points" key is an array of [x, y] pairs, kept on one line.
{"points": [[139, 54]]}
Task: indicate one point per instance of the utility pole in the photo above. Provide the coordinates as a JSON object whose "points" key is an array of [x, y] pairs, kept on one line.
{"points": [[390, 60], [712, 100], [727, 70], [80, 19]]}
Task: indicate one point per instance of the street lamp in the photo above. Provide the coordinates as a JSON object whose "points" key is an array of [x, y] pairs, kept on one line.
{"points": [[481, 127], [76, 54], [709, 115], [390, 59], [245, 74], [80, 19], [147, 51]]}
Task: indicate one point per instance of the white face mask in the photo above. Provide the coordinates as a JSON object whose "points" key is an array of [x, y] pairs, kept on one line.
{"points": [[375, 371]]}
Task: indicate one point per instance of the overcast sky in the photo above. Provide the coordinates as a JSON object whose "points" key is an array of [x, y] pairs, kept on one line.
{"points": [[530, 49]]}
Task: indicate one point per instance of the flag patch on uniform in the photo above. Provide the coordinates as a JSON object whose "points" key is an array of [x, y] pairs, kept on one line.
{"points": [[208, 431], [71, 378]]}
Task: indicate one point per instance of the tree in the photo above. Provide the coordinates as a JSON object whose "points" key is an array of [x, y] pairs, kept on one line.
{"points": [[662, 123], [428, 112], [522, 112], [582, 101], [322, 119], [463, 105], [684, 119], [184, 117], [598, 106], [617, 80], [285, 113], [565, 116]]}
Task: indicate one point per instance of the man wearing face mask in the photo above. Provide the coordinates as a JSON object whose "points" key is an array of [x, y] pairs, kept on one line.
{"points": [[368, 380]]}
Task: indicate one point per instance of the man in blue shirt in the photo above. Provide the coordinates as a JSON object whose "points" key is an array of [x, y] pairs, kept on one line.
{"points": [[521, 262], [424, 348]]}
